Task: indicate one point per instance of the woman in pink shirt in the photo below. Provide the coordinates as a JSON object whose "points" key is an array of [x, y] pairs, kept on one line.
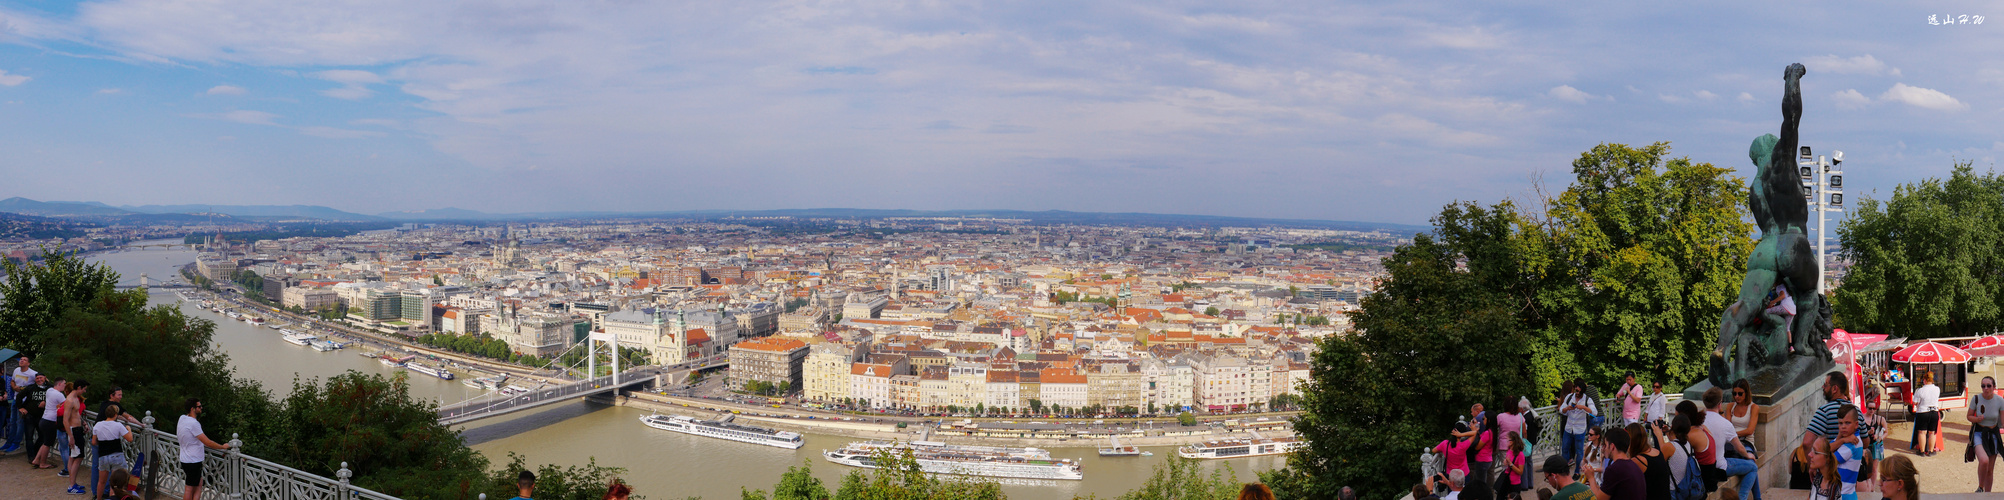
{"points": [[1456, 450]]}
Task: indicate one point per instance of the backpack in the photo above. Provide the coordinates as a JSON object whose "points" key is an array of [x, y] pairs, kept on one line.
{"points": [[1533, 428], [1692, 485]]}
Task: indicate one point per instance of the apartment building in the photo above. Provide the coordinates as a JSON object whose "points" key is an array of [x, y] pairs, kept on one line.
{"points": [[773, 360]]}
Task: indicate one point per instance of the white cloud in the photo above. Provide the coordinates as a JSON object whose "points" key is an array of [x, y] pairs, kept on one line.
{"points": [[244, 116], [349, 93], [110, 91], [1706, 95], [356, 83], [1746, 97], [12, 80], [1850, 99], [1568, 93], [227, 90], [1922, 98], [1860, 65]]}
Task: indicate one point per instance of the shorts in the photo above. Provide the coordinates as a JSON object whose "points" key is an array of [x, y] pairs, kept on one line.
{"points": [[111, 462], [191, 474], [1928, 421], [1987, 440], [45, 434], [79, 439]]}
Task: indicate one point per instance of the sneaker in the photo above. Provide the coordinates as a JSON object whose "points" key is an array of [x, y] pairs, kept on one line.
{"points": [[62, 473], [76, 489]]}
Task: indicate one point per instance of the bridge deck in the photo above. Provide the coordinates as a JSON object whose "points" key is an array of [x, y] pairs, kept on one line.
{"points": [[500, 404]]}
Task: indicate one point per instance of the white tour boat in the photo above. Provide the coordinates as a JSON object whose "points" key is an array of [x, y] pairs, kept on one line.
{"points": [[299, 338], [1238, 448], [429, 370], [941, 458], [725, 430], [1123, 451]]}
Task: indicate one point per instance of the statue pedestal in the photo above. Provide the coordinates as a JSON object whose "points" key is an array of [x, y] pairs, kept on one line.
{"points": [[1784, 414]]}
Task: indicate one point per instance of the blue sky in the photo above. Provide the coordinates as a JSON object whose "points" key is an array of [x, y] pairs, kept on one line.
{"points": [[1378, 111]]}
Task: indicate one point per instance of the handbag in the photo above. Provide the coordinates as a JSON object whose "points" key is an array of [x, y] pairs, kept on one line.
{"points": [[1969, 453]]}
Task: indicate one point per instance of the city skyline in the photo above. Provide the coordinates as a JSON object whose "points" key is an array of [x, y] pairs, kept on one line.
{"points": [[1331, 112]]}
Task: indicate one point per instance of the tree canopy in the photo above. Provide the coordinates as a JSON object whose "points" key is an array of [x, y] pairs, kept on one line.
{"points": [[1926, 262], [1627, 269]]}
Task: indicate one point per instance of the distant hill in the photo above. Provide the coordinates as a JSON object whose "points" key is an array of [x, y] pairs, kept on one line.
{"points": [[13, 225], [447, 213], [306, 211], [26, 206]]}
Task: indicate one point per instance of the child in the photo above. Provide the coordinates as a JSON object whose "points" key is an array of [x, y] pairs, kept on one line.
{"points": [[1848, 451]]}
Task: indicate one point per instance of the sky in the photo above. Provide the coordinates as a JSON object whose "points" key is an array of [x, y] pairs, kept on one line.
{"points": [[1368, 111]]}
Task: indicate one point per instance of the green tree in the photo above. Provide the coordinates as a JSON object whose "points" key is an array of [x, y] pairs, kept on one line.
{"points": [[1927, 262], [35, 294], [1186, 419], [1211, 311], [576, 482], [1440, 332], [798, 483], [1645, 252]]}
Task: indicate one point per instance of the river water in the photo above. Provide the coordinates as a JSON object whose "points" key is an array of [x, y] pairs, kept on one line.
{"points": [[660, 465]]}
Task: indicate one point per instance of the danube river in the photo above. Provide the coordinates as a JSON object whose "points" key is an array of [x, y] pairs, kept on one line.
{"points": [[660, 465]]}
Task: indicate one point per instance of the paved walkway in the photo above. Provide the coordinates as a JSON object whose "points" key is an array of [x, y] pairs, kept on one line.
{"points": [[22, 483]]}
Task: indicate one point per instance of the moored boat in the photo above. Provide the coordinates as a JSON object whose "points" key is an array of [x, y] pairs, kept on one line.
{"points": [[1116, 450], [434, 371], [725, 430], [941, 458], [299, 338], [1238, 448]]}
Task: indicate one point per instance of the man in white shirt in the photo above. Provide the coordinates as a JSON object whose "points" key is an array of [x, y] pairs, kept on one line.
{"points": [[193, 454], [47, 435], [17, 378], [1724, 435]]}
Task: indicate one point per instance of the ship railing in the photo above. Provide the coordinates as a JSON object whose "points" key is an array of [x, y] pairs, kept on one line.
{"points": [[228, 474], [1547, 442]]}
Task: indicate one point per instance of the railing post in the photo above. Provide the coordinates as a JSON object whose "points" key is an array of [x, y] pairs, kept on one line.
{"points": [[148, 448], [344, 474], [236, 467], [1427, 464]]}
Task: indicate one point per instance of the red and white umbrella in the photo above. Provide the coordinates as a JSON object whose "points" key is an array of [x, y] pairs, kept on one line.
{"points": [[1987, 346], [1931, 353]]}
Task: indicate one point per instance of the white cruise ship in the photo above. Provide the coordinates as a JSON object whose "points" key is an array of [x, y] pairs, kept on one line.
{"points": [[429, 370], [941, 458], [300, 338], [1239, 448], [724, 430]]}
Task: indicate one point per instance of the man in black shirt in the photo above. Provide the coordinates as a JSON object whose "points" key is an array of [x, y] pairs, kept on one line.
{"points": [[29, 402]]}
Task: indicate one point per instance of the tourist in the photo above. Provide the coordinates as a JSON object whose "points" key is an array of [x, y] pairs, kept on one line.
{"points": [[1927, 414], [1673, 449], [117, 397], [1658, 407], [1511, 481], [1546, 493], [1420, 492], [1621, 478], [1629, 396], [618, 490], [1744, 415], [1255, 491], [1655, 469], [29, 412], [525, 485], [1689, 425], [19, 379], [1533, 430], [1875, 439], [1559, 473], [111, 435], [1346, 494], [1823, 483], [1510, 420], [1985, 413], [1480, 470], [79, 438], [52, 401], [1780, 311], [1592, 456], [1455, 448], [1727, 438], [1579, 411], [194, 449], [121, 486], [1898, 480], [1848, 452], [1823, 424]]}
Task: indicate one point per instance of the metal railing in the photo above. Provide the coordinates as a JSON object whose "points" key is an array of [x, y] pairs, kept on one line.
{"points": [[231, 473], [1547, 441]]}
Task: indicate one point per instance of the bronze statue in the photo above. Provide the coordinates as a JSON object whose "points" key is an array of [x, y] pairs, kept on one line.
{"points": [[1780, 315]]}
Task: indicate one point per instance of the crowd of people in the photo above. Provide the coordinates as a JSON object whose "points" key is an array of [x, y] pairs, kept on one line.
{"points": [[46, 421], [1643, 448]]}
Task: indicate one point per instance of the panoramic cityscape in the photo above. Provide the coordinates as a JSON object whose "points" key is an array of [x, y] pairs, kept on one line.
{"points": [[973, 250]]}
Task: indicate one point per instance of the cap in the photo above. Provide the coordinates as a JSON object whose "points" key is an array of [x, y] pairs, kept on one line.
{"points": [[1556, 465]]}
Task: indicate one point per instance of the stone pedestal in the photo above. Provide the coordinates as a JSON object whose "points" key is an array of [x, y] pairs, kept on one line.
{"points": [[1784, 416]]}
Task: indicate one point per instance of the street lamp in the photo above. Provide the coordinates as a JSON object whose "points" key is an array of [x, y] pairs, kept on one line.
{"points": [[1823, 188]]}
